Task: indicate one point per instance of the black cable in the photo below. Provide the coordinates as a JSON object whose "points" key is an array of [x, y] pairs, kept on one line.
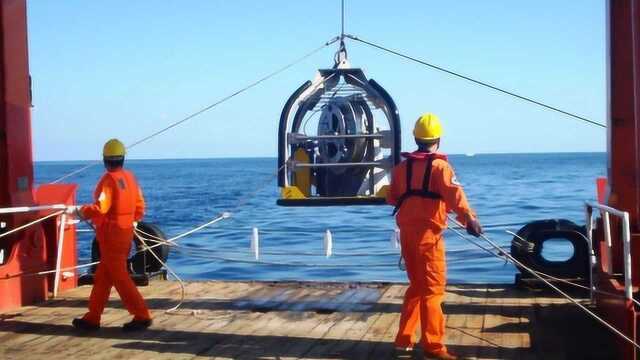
{"points": [[238, 92], [208, 107], [478, 82]]}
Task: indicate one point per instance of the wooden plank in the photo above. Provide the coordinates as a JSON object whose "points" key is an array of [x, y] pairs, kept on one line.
{"points": [[329, 344], [380, 324], [74, 344], [323, 324], [303, 331], [193, 330], [244, 326], [358, 329], [387, 326], [97, 345], [459, 302], [282, 327], [491, 336], [296, 318], [354, 321], [215, 326], [167, 324]]}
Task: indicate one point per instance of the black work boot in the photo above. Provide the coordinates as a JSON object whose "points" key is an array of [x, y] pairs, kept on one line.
{"points": [[84, 325], [136, 325]]}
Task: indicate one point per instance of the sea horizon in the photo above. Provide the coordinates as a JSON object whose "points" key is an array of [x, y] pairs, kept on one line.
{"points": [[275, 157]]}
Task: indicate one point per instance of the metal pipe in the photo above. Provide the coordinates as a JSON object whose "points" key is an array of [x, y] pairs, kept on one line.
{"points": [[608, 209], [589, 229], [331, 137], [360, 164], [607, 237], [56, 282], [626, 240], [23, 209]]}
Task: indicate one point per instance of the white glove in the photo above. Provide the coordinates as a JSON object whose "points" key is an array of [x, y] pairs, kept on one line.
{"points": [[72, 209]]}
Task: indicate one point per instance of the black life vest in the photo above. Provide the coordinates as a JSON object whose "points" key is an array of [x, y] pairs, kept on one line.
{"points": [[423, 192]]}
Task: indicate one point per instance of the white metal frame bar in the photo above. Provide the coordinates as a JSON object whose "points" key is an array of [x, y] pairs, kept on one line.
{"points": [[56, 281], [605, 211], [61, 229], [23, 209]]}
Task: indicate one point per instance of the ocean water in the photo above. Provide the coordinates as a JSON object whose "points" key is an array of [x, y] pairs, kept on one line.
{"points": [[181, 194]]}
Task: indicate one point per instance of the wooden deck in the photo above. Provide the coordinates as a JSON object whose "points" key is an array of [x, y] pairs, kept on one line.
{"points": [[253, 320]]}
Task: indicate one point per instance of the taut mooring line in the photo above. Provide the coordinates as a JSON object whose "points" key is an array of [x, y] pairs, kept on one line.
{"points": [[477, 82]]}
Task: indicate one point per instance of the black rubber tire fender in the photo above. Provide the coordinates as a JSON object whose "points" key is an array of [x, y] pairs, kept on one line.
{"points": [[536, 233]]}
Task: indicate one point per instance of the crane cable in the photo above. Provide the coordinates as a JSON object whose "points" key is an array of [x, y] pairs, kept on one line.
{"points": [[475, 81], [210, 106]]}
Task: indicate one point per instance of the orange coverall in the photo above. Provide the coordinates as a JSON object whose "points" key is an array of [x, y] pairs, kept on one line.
{"points": [[421, 222], [118, 203]]}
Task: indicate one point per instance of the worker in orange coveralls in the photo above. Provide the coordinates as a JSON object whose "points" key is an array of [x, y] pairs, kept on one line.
{"points": [[118, 203], [423, 190]]}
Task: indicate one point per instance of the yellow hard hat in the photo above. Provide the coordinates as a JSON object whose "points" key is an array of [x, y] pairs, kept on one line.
{"points": [[427, 127], [113, 147]]}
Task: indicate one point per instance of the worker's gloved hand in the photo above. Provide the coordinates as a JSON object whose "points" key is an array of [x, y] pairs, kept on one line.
{"points": [[474, 228], [74, 210], [70, 209]]}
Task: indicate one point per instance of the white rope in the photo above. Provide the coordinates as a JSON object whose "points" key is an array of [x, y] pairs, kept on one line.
{"points": [[40, 273], [575, 284], [351, 231], [210, 106], [175, 308], [14, 230], [558, 290], [151, 238], [169, 241], [198, 254]]}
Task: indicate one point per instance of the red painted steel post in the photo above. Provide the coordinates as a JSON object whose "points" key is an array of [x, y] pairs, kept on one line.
{"points": [[624, 146], [24, 251]]}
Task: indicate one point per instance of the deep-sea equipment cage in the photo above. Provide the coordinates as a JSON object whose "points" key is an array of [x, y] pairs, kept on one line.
{"points": [[338, 139]]}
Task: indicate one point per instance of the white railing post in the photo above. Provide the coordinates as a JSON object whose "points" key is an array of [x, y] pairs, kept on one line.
{"points": [[56, 282], [626, 240], [607, 237], [592, 257]]}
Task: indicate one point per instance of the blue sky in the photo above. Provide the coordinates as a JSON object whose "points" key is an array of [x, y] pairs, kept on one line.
{"points": [[127, 68]]}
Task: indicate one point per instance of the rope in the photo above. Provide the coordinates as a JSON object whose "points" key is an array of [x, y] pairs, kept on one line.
{"points": [[209, 107], [541, 278], [175, 308], [305, 231], [46, 272], [31, 223], [198, 254], [169, 241], [477, 82], [575, 284]]}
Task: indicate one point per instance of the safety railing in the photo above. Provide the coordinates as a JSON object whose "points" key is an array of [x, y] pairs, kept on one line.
{"points": [[605, 212], [61, 210]]}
